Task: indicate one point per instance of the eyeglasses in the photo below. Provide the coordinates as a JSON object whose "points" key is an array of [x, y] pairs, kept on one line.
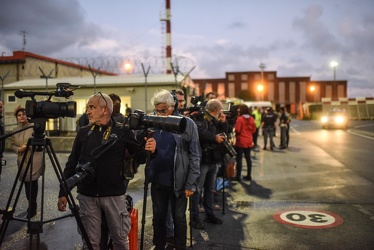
{"points": [[161, 111], [181, 101], [106, 103]]}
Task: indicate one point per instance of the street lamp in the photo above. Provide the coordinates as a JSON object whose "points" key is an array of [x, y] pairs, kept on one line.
{"points": [[312, 89], [262, 67], [334, 64], [128, 67], [260, 89]]}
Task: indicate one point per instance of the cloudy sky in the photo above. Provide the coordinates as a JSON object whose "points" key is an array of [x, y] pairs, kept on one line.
{"points": [[292, 37]]}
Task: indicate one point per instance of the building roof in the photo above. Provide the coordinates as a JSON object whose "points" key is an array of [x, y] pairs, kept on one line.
{"points": [[101, 81], [20, 57]]}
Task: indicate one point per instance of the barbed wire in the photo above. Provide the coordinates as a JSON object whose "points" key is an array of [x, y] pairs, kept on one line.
{"points": [[109, 64]]}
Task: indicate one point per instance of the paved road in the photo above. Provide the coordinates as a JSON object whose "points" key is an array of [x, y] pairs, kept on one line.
{"points": [[307, 185]]}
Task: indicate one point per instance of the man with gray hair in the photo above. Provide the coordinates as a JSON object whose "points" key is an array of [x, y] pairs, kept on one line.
{"points": [[102, 145], [173, 172]]}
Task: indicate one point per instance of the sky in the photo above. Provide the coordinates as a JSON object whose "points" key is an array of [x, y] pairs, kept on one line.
{"points": [[292, 37]]}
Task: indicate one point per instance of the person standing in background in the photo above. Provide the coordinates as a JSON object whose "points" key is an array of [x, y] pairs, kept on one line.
{"points": [[283, 120], [19, 143], [268, 125], [244, 128], [117, 115], [257, 114], [128, 110]]}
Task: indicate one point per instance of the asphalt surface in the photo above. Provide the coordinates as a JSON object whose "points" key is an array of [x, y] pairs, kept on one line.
{"points": [[285, 180]]}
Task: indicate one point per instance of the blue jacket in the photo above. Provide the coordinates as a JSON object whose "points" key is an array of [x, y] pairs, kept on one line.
{"points": [[186, 159]]}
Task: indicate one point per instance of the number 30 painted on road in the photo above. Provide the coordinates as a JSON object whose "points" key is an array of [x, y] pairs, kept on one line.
{"points": [[308, 218]]}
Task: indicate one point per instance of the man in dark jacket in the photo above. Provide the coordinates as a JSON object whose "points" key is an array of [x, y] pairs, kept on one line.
{"points": [[210, 129], [268, 124], [104, 191]]}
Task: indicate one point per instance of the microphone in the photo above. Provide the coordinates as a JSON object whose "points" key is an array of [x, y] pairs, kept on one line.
{"points": [[21, 94]]}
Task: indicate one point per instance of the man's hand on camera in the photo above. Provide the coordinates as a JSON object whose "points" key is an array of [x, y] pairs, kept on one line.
{"points": [[222, 117], [150, 145], [219, 138], [188, 193], [61, 204]]}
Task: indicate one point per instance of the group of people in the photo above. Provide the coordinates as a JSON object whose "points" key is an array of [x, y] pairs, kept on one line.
{"points": [[269, 125], [181, 167]]}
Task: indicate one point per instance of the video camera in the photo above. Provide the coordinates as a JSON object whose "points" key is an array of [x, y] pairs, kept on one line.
{"points": [[48, 109], [139, 121]]}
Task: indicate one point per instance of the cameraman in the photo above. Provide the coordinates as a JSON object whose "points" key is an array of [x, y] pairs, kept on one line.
{"points": [[210, 129], [173, 173], [103, 192]]}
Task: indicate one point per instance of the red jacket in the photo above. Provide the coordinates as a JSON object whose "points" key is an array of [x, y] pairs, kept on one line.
{"points": [[244, 128]]}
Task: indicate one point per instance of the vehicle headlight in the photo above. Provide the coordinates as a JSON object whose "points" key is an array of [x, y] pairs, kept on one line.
{"points": [[339, 119], [324, 119]]}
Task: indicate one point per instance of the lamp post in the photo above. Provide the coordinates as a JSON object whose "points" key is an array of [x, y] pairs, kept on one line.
{"points": [[312, 89], [128, 67], [145, 72], [262, 67], [260, 89], [334, 64]]}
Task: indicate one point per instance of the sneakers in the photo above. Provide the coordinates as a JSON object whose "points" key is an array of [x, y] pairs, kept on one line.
{"points": [[196, 223], [213, 219]]}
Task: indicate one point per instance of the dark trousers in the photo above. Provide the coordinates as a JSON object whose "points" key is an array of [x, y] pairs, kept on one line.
{"points": [[239, 159], [255, 136], [31, 189], [160, 198]]}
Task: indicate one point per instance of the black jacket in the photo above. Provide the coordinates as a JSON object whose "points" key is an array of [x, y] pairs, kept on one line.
{"points": [[208, 128], [109, 167]]}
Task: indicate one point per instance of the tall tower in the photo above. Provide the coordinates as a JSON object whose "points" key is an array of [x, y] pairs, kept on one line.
{"points": [[166, 19]]}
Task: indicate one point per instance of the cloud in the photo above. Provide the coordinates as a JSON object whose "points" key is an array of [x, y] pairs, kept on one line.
{"points": [[317, 36], [50, 26]]}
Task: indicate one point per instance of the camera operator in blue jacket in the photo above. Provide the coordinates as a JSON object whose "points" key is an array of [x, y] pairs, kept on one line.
{"points": [[173, 172]]}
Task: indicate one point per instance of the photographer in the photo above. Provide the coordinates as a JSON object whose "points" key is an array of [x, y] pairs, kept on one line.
{"points": [[103, 192], [211, 139], [173, 173]]}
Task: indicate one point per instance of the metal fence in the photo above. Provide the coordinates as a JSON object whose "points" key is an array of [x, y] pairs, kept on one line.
{"points": [[357, 108]]}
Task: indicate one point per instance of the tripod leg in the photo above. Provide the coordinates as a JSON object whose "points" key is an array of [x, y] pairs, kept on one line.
{"points": [[72, 205], [10, 209], [144, 212], [190, 208], [223, 190]]}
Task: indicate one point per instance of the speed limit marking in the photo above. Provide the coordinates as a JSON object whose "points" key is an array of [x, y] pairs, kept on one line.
{"points": [[308, 218]]}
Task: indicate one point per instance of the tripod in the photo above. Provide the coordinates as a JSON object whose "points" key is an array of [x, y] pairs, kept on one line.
{"points": [[35, 227]]}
